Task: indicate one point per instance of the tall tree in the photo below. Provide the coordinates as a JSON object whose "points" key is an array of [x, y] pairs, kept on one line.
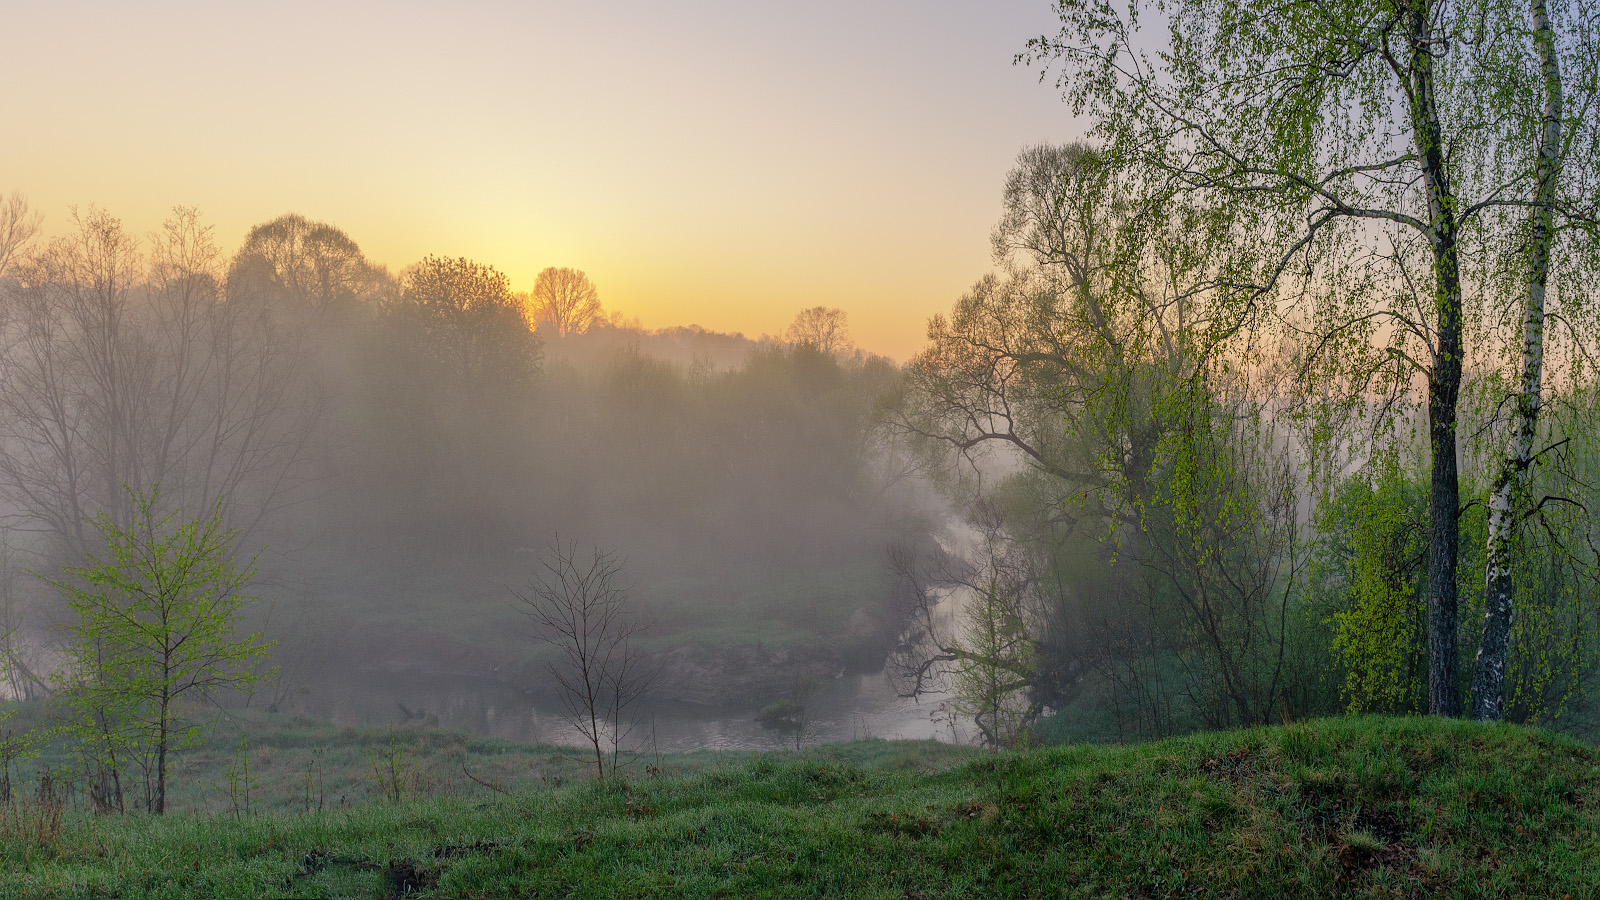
{"points": [[121, 369], [566, 300], [1351, 158], [467, 321], [826, 329], [311, 266], [1555, 137], [1089, 362]]}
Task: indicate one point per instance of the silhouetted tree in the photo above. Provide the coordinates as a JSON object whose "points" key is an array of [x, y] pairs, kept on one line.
{"points": [[566, 300], [465, 319], [308, 265], [19, 225], [825, 329]]}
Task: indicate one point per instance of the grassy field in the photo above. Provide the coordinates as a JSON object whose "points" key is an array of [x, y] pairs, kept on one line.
{"points": [[1336, 808]]}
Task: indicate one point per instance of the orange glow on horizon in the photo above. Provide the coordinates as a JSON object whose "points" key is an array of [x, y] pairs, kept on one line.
{"points": [[716, 164]]}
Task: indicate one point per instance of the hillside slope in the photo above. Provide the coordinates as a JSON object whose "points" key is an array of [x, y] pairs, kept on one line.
{"points": [[1338, 808]]}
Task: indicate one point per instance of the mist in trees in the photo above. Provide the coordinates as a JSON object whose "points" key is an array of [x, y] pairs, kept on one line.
{"points": [[390, 447], [1278, 402], [1221, 518], [125, 364]]}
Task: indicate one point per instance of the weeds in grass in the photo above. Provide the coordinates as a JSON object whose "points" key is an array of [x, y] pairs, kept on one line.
{"points": [[395, 774], [238, 783], [36, 823], [312, 785]]}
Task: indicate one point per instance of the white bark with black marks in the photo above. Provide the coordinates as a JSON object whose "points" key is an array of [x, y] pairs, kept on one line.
{"points": [[1510, 484]]}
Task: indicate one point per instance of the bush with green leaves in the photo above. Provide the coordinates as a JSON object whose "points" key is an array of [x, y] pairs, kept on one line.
{"points": [[154, 624]]}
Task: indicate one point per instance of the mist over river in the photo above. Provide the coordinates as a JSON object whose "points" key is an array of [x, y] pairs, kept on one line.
{"points": [[847, 708]]}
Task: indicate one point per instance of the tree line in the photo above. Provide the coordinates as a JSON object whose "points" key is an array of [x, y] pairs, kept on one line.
{"points": [[295, 404], [1285, 385]]}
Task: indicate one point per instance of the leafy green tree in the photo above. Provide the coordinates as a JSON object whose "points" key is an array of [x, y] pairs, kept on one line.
{"points": [[1542, 54], [1356, 171], [1371, 554], [996, 658], [154, 624], [1138, 417]]}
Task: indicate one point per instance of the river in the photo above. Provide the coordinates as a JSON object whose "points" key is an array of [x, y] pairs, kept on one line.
{"points": [[848, 708]]}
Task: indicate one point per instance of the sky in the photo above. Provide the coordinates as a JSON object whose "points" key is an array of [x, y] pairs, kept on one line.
{"points": [[716, 163]]}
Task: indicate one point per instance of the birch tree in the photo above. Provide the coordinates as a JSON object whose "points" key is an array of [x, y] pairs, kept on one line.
{"points": [[1349, 163], [1558, 133]]}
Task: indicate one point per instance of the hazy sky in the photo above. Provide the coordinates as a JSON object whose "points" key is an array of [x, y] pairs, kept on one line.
{"points": [[719, 163]]}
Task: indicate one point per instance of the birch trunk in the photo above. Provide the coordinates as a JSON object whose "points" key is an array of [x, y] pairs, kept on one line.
{"points": [[1510, 484], [1444, 377]]}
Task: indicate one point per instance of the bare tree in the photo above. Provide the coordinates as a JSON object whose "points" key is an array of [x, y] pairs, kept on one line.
{"points": [[18, 227], [17, 667], [581, 610], [566, 300], [826, 329], [115, 373]]}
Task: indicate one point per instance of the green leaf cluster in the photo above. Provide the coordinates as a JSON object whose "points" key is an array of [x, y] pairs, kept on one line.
{"points": [[154, 624]]}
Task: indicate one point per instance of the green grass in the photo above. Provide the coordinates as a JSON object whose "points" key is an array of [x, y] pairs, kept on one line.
{"points": [[1358, 808], [297, 764]]}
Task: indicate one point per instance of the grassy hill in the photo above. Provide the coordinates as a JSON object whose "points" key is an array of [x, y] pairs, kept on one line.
{"points": [[1339, 808]]}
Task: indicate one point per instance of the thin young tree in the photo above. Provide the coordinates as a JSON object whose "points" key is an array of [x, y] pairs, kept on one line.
{"points": [[155, 623], [580, 608]]}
